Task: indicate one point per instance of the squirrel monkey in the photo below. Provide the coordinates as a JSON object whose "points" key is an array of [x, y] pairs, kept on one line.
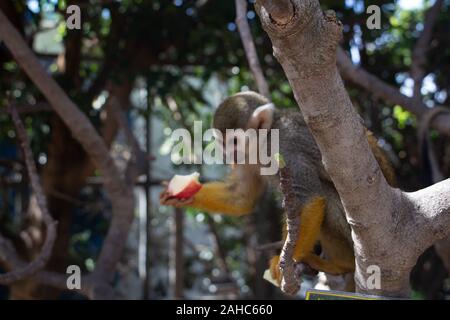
{"points": [[322, 216]]}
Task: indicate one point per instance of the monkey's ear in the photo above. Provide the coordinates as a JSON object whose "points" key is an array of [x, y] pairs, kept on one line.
{"points": [[262, 117]]}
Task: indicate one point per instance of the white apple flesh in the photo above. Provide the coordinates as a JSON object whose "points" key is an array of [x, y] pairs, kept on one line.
{"points": [[184, 187]]}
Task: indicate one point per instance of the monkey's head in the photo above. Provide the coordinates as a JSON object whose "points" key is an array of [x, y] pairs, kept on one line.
{"points": [[245, 110], [238, 111]]}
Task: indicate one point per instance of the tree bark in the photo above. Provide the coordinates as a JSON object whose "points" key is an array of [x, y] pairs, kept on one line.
{"points": [[390, 228], [50, 225], [249, 46]]}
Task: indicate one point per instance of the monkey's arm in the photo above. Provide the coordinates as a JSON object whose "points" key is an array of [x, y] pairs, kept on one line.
{"points": [[235, 196], [221, 197]]}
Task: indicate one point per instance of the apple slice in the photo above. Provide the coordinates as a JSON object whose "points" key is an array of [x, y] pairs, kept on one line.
{"points": [[183, 187], [268, 276]]}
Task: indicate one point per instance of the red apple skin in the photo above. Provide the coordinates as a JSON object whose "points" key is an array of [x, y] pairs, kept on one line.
{"points": [[191, 189]]}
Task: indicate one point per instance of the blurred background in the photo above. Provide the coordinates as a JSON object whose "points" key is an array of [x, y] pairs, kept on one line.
{"points": [[169, 63]]}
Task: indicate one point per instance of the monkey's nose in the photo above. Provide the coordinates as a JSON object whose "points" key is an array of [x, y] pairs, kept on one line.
{"points": [[230, 155]]}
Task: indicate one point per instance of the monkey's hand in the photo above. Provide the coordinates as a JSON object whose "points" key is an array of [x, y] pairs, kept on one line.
{"points": [[301, 269], [214, 197], [166, 199]]}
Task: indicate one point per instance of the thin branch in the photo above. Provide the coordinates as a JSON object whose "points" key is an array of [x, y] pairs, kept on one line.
{"points": [[28, 108], [138, 164], [50, 224], [176, 274], [425, 141], [419, 56], [66, 197], [59, 280], [12, 261], [249, 47], [270, 246], [218, 247], [290, 283], [8, 254], [385, 91], [391, 94]]}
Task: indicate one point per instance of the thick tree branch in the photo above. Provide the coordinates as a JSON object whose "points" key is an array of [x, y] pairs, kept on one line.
{"points": [[384, 220], [280, 11], [435, 201], [249, 47], [373, 84], [42, 258]]}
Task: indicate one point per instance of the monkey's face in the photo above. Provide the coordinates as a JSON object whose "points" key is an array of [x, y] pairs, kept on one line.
{"points": [[237, 121], [238, 146], [229, 145]]}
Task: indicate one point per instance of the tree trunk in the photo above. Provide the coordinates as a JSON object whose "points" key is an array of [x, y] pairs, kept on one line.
{"points": [[390, 228]]}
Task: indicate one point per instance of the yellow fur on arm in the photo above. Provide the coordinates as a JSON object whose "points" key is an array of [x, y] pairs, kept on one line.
{"points": [[311, 218], [218, 197]]}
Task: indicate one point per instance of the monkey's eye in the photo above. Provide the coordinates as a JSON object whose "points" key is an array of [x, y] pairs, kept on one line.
{"points": [[232, 141]]}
